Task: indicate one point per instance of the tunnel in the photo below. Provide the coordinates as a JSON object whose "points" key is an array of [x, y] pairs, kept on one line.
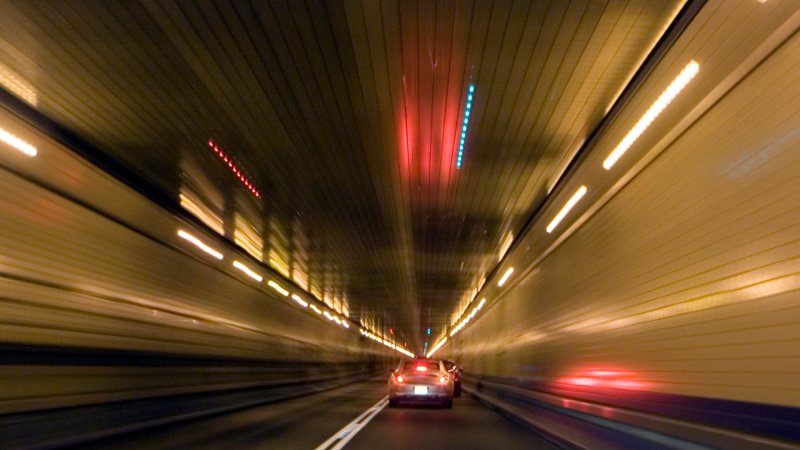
{"points": [[235, 224]]}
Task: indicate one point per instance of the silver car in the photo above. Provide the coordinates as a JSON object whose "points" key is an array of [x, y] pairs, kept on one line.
{"points": [[421, 381]]}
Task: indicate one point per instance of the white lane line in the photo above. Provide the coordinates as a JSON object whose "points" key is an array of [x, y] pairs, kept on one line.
{"points": [[343, 436]]}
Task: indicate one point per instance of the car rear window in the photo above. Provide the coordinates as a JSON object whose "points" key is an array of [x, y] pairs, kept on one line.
{"points": [[411, 366]]}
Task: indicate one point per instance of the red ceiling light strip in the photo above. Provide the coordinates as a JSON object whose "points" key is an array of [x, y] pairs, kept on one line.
{"points": [[236, 172]]}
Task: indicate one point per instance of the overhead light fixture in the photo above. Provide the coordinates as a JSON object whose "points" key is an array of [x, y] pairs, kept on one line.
{"points": [[480, 305], [345, 324], [278, 288], [505, 276], [316, 310], [200, 244], [674, 88], [18, 143], [465, 125], [300, 301], [576, 197], [248, 271]]}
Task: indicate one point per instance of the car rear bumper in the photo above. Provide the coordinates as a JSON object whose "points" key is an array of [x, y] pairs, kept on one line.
{"points": [[435, 393], [411, 398]]}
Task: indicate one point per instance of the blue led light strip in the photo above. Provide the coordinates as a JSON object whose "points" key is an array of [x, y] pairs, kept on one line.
{"points": [[464, 125]]}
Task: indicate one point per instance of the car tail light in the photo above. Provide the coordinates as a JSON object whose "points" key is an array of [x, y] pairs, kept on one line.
{"points": [[443, 379], [399, 378]]}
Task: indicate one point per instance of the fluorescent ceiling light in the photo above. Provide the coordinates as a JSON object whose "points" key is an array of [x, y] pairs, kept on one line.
{"points": [[278, 287], [17, 143], [505, 276], [316, 310], [576, 197], [248, 271], [480, 305], [300, 301], [200, 244], [650, 115]]}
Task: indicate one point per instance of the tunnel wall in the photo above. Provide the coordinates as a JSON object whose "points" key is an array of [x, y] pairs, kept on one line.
{"points": [[101, 301], [683, 278]]}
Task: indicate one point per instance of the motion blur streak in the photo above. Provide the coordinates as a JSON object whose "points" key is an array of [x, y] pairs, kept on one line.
{"points": [[202, 213], [300, 301], [278, 287], [200, 244], [652, 304], [17, 85], [247, 271], [652, 113], [505, 276], [576, 197], [17, 143]]}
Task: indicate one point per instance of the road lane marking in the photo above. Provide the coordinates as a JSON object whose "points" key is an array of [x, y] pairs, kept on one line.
{"points": [[343, 436]]}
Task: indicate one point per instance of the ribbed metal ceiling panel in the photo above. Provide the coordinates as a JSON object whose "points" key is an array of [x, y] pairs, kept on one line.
{"points": [[347, 115]]}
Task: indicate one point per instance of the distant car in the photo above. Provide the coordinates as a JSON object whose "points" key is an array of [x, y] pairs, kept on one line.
{"points": [[455, 374], [421, 381]]}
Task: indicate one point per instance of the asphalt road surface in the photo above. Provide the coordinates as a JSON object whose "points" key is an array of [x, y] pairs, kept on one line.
{"points": [[351, 417]]}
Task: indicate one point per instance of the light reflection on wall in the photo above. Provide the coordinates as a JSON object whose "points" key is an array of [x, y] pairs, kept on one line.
{"points": [[246, 236], [202, 212], [606, 378], [14, 83], [199, 195], [300, 245], [754, 289], [278, 256]]}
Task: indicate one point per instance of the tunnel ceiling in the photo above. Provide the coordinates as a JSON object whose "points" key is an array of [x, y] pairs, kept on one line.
{"points": [[347, 118]]}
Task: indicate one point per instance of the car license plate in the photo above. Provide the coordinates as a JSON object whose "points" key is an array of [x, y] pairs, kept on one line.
{"points": [[420, 390]]}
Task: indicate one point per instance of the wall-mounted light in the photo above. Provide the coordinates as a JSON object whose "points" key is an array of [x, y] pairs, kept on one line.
{"points": [[576, 197], [505, 276], [17, 143], [300, 301], [200, 244], [669, 94], [278, 288], [250, 273]]}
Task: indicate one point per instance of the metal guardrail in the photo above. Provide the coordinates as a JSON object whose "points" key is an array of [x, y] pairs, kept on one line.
{"points": [[578, 423]]}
